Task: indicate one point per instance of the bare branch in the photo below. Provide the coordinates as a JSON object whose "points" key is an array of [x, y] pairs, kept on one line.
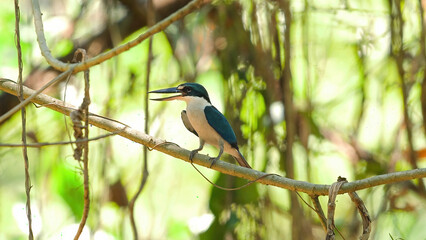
{"points": [[23, 120], [61, 66], [83, 111], [366, 221], [320, 212], [203, 160], [29, 98]]}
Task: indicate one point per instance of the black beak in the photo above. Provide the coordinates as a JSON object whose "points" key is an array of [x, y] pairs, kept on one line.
{"points": [[167, 90]]}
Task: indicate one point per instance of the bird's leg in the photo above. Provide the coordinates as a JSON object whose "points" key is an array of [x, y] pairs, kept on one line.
{"points": [[218, 156], [193, 152]]}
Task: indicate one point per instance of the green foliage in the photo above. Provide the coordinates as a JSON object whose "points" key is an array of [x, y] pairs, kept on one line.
{"points": [[68, 184], [252, 111]]}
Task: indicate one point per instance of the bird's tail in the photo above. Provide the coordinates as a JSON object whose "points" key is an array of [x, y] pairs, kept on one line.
{"points": [[241, 160]]}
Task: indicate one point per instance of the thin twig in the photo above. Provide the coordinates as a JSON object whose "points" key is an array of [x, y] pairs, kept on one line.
{"points": [[203, 160], [61, 66], [65, 117], [304, 201], [144, 172], [319, 211], [285, 83], [28, 99], [366, 220], [84, 108], [45, 144], [23, 118], [73, 109], [235, 188], [398, 53]]}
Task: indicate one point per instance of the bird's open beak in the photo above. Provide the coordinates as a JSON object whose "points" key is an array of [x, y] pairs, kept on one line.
{"points": [[167, 90]]}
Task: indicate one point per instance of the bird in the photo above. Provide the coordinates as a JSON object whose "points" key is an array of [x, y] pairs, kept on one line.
{"points": [[205, 121]]}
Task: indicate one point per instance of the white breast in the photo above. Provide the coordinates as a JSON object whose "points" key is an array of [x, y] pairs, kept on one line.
{"points": [[195, 112]]}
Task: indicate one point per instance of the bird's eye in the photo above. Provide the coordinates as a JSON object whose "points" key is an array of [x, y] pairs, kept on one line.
{"points": [[188, 90]]}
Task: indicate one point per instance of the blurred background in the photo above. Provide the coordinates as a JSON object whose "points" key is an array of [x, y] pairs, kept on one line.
{"points": [[341, 79]]}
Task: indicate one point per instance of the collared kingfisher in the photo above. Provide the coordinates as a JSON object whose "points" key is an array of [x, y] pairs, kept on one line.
{"points": [[205, 121]]}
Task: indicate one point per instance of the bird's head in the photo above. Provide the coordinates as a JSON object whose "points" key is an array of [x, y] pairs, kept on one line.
{"points": [[186, 92]]}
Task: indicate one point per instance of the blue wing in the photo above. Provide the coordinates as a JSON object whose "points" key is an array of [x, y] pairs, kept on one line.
{"points": [[221, 125]]}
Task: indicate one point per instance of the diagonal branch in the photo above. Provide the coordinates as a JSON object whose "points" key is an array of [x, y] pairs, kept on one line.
{"points": [[319, 211], [366, 220], [28, 99], [203, 160], [59, 65]]}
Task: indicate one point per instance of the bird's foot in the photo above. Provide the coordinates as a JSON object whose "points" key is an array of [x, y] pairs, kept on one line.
{"points": [[213, 161], [192, 154]]}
